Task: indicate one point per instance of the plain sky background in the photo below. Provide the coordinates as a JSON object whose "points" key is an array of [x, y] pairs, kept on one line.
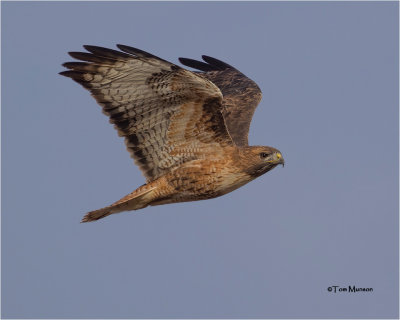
{"points": [[329, 75]]}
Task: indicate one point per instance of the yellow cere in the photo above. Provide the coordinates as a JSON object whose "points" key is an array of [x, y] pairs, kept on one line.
{"points": [[278, 155]]}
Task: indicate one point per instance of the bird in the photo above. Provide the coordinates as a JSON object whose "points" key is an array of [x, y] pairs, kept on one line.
{"points": [[186, 130]]}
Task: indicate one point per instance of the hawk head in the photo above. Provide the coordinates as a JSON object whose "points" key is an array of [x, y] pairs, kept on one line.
{"points": [[259, 160]]}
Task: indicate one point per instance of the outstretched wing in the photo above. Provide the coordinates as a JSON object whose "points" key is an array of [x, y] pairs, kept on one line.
{"points": [[167, 115], [241, 95]]}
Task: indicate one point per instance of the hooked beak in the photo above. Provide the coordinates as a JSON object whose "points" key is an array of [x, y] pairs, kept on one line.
{"points": [[276, 158]]}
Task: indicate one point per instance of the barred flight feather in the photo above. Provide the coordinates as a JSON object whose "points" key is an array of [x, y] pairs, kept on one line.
{"points": [[154, 104]]}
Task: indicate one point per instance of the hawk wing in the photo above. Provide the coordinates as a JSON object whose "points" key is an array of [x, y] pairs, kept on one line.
{"points": [[167, 115], [241, 95]]}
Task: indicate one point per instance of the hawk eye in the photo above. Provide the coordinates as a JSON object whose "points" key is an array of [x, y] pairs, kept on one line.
{"points": [[263, 155]]}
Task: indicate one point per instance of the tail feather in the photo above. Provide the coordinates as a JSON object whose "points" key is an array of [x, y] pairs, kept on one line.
{"points": [[97, 214], [138, 199]]}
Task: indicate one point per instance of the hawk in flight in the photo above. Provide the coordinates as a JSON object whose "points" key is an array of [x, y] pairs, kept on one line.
{"points": [[187, 131]]}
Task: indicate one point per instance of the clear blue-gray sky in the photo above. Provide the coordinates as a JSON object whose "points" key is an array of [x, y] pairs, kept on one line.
{"points": [[329, 75]]}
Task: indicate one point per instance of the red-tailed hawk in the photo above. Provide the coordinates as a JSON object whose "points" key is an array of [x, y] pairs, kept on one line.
{"points": [[187, 131]]}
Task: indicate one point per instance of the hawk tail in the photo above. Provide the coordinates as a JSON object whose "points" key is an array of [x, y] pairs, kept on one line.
{"points": [[138, 199], [98, 214]]}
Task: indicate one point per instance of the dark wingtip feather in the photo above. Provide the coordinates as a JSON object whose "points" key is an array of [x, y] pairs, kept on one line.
{"points": [[105, 52], [67, 73], [74, 65], [81, 55], [196, 64], [137, 52], [90, 57], [210, 64], [217, 63], [134, 51], [78, 55], [77, 76]]}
